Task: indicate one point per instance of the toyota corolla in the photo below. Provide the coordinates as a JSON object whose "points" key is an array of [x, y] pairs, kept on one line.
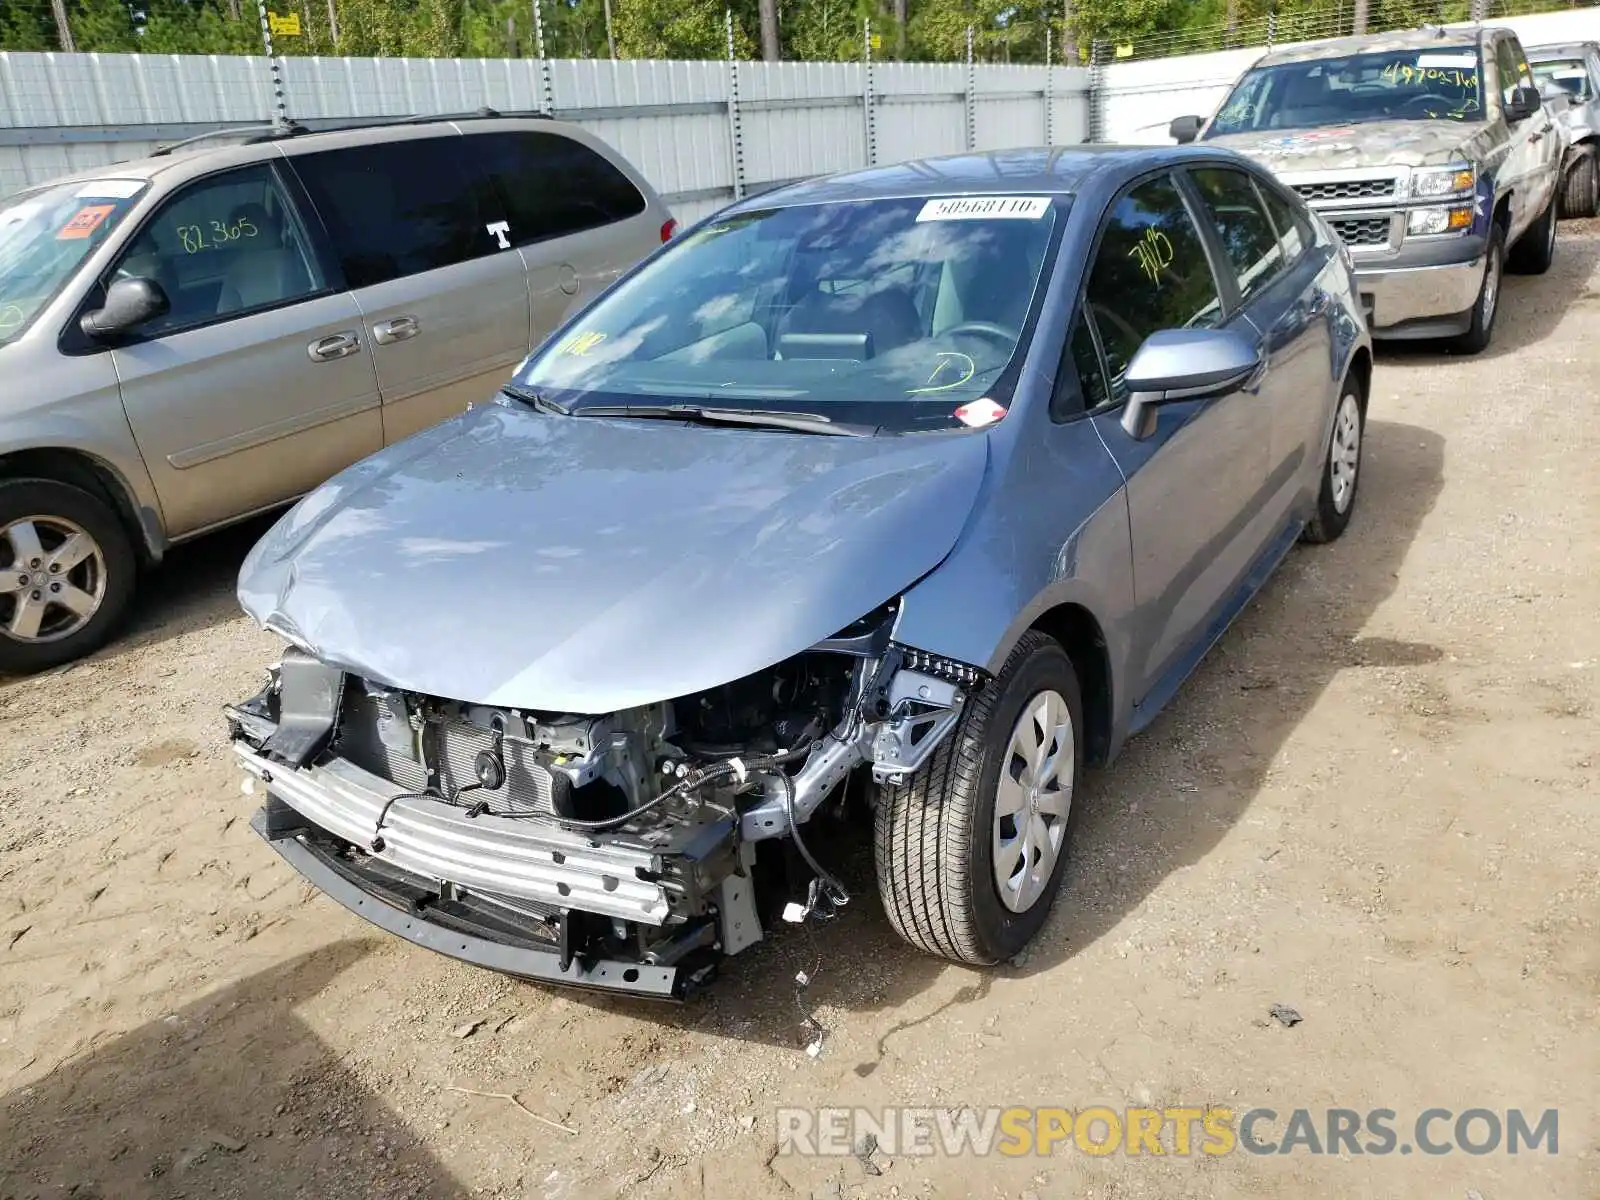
{"points": [[923, 487]]}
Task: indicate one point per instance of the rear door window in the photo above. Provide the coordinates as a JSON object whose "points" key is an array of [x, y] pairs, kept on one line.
{"points": [[401, 208], [552, 185], [1293, 235], [1242, 225]]}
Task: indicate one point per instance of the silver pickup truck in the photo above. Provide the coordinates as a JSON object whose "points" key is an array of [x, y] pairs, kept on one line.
{"points": [[1428, 151]]}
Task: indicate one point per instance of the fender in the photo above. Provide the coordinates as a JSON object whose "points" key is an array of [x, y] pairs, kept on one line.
{"points": [[118, 465]]}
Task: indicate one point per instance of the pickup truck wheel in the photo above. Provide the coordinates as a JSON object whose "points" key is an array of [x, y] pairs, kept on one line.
{"points": [[66, 574], [1536, 249], [1580, 190], [1341, 468], [970, 852], [1476, 339]]}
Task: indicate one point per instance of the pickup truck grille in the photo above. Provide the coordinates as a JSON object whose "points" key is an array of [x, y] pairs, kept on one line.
{"points": [[1363, 231], [1346, 189]]}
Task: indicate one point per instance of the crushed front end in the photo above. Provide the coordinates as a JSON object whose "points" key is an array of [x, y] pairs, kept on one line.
{"points": [[619, 852]]}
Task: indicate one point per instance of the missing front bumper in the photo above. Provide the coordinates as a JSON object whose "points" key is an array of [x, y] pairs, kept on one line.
{"points": [[407, 909]]}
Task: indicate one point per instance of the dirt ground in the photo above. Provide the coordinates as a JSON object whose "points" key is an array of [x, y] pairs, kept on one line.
{"points": [[1376, 802]]}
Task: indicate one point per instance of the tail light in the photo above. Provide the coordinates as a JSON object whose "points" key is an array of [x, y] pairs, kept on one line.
{"points": [[668, 228]]}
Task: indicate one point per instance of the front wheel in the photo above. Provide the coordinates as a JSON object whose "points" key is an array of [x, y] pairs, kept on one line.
{"points": [[66, 574], [970, 852], [1476, 338]]}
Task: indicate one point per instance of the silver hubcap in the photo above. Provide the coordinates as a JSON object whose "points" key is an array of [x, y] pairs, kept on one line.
{"points": [[1034, 799], [52, 579], [1491, 288], [1344, 456]]}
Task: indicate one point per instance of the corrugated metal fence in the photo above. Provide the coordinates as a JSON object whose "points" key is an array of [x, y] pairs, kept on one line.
{"points": [[675, 120]]}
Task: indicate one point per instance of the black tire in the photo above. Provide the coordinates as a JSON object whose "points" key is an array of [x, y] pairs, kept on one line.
{"points": [[1580, 188], [115, 570], [1536, 249], [1336, 504], [1487, 306], [934, 837]]}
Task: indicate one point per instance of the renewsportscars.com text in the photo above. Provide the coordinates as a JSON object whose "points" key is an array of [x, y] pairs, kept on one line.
{"points": [[1170, 1131]]}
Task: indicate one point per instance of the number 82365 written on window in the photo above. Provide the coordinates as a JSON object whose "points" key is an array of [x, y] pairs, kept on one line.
{"points": [[196, 239]]}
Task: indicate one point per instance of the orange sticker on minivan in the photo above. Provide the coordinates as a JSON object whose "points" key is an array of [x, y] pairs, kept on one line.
{"points": [[85, 221]]}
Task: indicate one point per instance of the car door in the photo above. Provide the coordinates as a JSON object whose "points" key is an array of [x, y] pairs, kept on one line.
{"points": [[1267, 248], [257, 383], [1531, 166], [576, 220], [422, 242], [1195, 484]]}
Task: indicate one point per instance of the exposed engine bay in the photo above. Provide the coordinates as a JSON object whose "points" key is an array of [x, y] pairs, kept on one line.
{"points": [[620, 851]]}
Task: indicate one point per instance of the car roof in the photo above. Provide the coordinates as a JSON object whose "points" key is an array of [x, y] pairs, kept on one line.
{"points": [[1552, 50], [1048, 170], [256, 143], [1404, 39]]}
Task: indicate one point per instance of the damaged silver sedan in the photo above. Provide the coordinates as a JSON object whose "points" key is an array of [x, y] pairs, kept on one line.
{"points": [[920, 488]]}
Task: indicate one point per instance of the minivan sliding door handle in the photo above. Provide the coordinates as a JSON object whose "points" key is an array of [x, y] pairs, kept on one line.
{"points": [[337, 345], [397, 330]]}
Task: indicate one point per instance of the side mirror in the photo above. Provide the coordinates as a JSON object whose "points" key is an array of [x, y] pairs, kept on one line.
{"points": [[1184, 130], [1184, 364], [129, 304], [1523, 104]]}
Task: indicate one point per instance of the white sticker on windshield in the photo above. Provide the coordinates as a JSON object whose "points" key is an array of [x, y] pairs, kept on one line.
{"points": [[1442, 62], [984, 208], [109, 189]]}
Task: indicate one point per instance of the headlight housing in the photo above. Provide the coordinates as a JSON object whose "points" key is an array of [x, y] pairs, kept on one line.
{"points": [[1444, 181], [1428, 222]]}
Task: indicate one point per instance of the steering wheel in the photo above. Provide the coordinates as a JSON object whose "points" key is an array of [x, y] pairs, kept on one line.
{"points": [[1005, 338], [1444, 101]]}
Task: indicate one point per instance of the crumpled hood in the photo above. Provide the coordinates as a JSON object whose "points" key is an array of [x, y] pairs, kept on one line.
{"points": [[585, 565], [1370, 144]]}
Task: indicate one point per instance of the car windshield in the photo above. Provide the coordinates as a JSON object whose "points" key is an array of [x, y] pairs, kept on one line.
{"points": [[1570, 75], [45, 234], [1441, 82], [888, 313]]}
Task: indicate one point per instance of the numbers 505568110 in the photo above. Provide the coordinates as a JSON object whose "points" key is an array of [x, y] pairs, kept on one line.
{"points": [[196, 238]]}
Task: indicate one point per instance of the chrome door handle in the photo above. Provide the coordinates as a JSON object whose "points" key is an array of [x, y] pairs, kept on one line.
{"points": [[397, 330], [337, 345]]}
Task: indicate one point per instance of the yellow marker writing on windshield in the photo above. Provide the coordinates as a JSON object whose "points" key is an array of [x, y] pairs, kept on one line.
{"points": [[581, 343], [947, 358]]}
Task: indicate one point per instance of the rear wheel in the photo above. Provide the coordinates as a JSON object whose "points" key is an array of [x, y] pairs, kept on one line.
{"points": [[1536, 249], [970, 853], [1580, 189], [1476, 338], [1341, 468], [66, 574]]}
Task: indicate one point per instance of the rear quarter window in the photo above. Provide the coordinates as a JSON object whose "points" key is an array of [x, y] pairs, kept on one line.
{"points": [[551, 185]]}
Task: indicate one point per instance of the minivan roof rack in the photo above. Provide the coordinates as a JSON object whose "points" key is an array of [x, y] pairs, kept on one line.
{"points": [[252, 134], [249, 133]]}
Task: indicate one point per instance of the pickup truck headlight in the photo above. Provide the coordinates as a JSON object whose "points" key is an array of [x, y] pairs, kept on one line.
{"points": [[1447, 181], [1427, 221]]}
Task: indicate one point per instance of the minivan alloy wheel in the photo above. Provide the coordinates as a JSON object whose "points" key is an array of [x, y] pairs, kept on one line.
{"points": [[1344, 451], [52, 578], [1033, 800]]}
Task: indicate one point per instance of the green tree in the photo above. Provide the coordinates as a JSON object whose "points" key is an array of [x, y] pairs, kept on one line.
{"points": [[681, 28]]}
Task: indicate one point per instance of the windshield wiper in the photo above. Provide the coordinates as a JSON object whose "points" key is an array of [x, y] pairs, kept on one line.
{"points": [[801, 422], [534, 399]]}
